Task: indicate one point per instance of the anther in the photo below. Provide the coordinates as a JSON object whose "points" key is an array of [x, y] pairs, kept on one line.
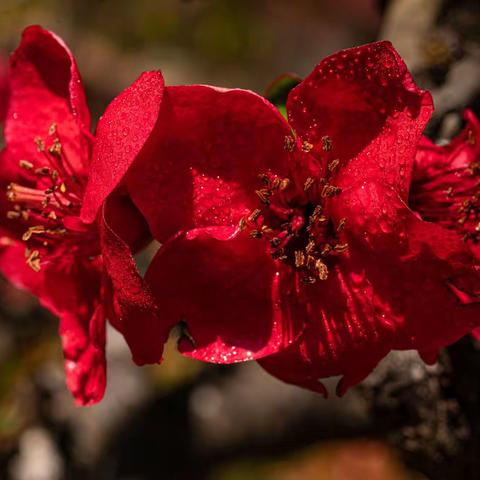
{"points": [[254, 215], [299, 259], [449, 192], [12, 215], [42, 171], [263, 195], [275, 242], [327, 143], [55, 148], [341, 247], [289, 143], [308, 183], [333, 165], [25, 164], [341, 224], [322, 270], [330, 191], [52, 129], [307, 147], [37, 229], [33, 260], [40, 144]]}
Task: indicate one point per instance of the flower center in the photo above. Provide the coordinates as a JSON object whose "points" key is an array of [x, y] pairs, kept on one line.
{"points": [[49, 203], [293, 220]]}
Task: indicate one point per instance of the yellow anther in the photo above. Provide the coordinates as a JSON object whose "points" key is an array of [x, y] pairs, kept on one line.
{"points": [[333, 165], [12, 215], [289, 143], [25, 164], [299, 259], [33, 260], [56, 147], [308, 183], [327, 143], [307, 147], [322, 270], [40, 144], [341, 224], [284, 183], [254, 215], [37, 229]]}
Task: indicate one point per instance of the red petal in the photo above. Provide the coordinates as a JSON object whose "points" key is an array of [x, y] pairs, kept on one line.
{"points": [[204, 158], [84, 351], [139, 321], [45, 88], [412, 266], [236, 302], [72, 292], [121, 133], [365, 101], [347, 333]]}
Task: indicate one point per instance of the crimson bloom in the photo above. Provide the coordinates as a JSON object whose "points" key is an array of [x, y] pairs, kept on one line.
{"points": [[446, 185], [45, 247], [293, 242]]}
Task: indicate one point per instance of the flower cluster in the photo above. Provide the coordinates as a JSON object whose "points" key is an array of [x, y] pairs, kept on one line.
{"points": [[314, 245]]}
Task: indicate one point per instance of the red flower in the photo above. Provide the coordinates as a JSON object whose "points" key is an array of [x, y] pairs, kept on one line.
{"points": [[446, 183], [297, 245], [46, 248]]}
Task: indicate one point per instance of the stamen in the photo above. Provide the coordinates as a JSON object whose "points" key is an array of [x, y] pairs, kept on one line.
{"points": [[327, 143], [308, 183], [289, 143], [33, 260], [263, 195], [25, 165], [330, 190], [341, 224], [12, 215], [254, 215], [322, 270], [307, 147], [40, 144], [37, 229], [333, 165], [299, 259]]}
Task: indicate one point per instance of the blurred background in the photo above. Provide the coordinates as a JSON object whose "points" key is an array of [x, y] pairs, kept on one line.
{"points": [[190, 421]]}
